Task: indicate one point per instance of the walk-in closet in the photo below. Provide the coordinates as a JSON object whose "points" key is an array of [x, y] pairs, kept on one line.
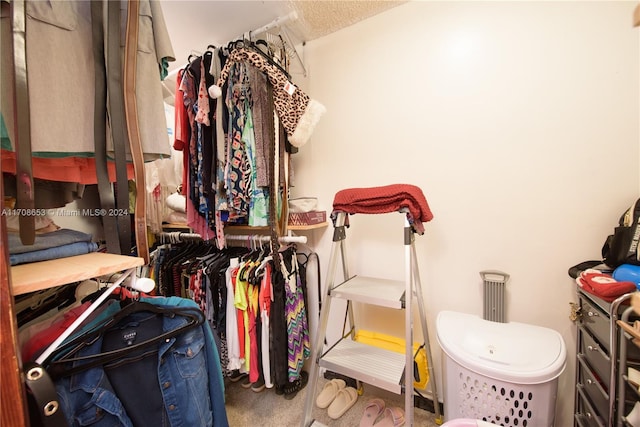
{"points": [[319, 213]]}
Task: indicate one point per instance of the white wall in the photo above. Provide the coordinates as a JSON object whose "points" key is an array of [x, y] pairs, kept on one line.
{"points": [[520, 122]]}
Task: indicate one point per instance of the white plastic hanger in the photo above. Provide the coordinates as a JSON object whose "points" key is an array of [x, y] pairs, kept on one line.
{"points": [[143, 285]]}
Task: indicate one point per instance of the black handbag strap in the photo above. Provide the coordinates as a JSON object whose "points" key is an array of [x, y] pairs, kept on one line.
{"points": [[44, 400]]}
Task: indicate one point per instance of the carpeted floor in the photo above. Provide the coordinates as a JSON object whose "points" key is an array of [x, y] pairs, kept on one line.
{"points": [[247, 408]]}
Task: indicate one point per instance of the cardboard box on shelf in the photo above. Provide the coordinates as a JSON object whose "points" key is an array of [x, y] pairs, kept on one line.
{"points": [[307, 218]]}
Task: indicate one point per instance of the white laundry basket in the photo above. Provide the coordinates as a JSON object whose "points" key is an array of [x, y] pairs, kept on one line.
{"points": [[503, 373]]}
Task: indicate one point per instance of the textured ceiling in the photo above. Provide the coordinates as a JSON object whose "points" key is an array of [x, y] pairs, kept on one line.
{"points": [[319, 18], [194, 24]]}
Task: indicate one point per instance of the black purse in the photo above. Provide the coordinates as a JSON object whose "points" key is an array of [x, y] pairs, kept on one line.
{"points": [[622, 246]]}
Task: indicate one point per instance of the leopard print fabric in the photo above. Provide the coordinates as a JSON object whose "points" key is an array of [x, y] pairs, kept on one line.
{"points": [[288, 107]]}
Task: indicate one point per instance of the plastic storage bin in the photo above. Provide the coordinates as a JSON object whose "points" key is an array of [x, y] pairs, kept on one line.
{"points": [[502, 373]]}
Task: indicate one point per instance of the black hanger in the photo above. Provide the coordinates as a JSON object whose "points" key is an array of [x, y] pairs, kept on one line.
{"points": [[262, 42], [235, 44], [128, 307], [269, 58], [59, 368], [63, 297], [238, 44]]}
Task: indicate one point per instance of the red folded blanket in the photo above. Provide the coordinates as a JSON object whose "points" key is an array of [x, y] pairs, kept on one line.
{"points": [[390, 198], [603, 285]]}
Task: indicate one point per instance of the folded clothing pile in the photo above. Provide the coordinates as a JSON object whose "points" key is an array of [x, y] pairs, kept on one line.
{"points": [[389, 198], [603, 285], [60, 243]]}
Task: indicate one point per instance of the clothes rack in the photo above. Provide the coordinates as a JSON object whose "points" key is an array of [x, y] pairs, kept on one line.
{"points": [[176, 236], [259, 238], [278, 22]]}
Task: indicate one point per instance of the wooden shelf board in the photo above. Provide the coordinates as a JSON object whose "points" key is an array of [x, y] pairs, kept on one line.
{"points": [[48, 274], [176, 226], [308, 227]]}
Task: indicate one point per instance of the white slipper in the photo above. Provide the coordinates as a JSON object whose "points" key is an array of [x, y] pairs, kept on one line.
{"points": [[329, 392], [343, 402]]}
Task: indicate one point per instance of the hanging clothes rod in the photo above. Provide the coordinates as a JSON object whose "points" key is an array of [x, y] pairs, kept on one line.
{"points": [[278, 22], [261, 238], [176, 236]]}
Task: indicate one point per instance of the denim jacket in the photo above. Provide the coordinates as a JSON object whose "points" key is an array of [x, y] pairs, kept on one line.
{"points": [[189, 373]]}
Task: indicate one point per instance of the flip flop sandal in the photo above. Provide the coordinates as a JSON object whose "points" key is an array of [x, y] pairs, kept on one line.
{"points": [[343, 402], [329, 392], [393, 417], [374, 408]]}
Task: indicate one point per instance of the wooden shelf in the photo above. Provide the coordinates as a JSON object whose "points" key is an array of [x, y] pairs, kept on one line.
{"points": [[307, 227], [48, 274], [175, 226]]}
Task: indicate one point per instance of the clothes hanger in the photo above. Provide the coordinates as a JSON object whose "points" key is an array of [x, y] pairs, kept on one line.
{"points": [[142, 286], [60, 368], [269, 59], [61, 298], [132, 306], [253, 263], [259, 270], [248, 44], [258, 261]]}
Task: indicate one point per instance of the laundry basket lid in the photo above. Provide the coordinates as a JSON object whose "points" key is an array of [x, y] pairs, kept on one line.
{"points": [[514, 352]]}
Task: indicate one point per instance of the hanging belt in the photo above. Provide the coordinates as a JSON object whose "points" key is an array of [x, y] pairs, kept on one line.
{"points": [[24, 178], [105, 190], [118, 123], [133, 129], [274, 184]]}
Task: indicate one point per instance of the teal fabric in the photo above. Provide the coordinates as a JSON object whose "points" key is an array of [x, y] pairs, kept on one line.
{"points": [[164, 68], [5, 142]]}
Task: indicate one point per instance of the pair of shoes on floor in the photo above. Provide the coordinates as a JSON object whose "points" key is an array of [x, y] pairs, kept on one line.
{"points": [[246, 382], [236, 376], [256, 386], [336, 398], [290, 390], [377, 414]]}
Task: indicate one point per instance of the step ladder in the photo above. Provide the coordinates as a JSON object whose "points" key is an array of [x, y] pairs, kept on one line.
{"points": [[368, 364]]}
